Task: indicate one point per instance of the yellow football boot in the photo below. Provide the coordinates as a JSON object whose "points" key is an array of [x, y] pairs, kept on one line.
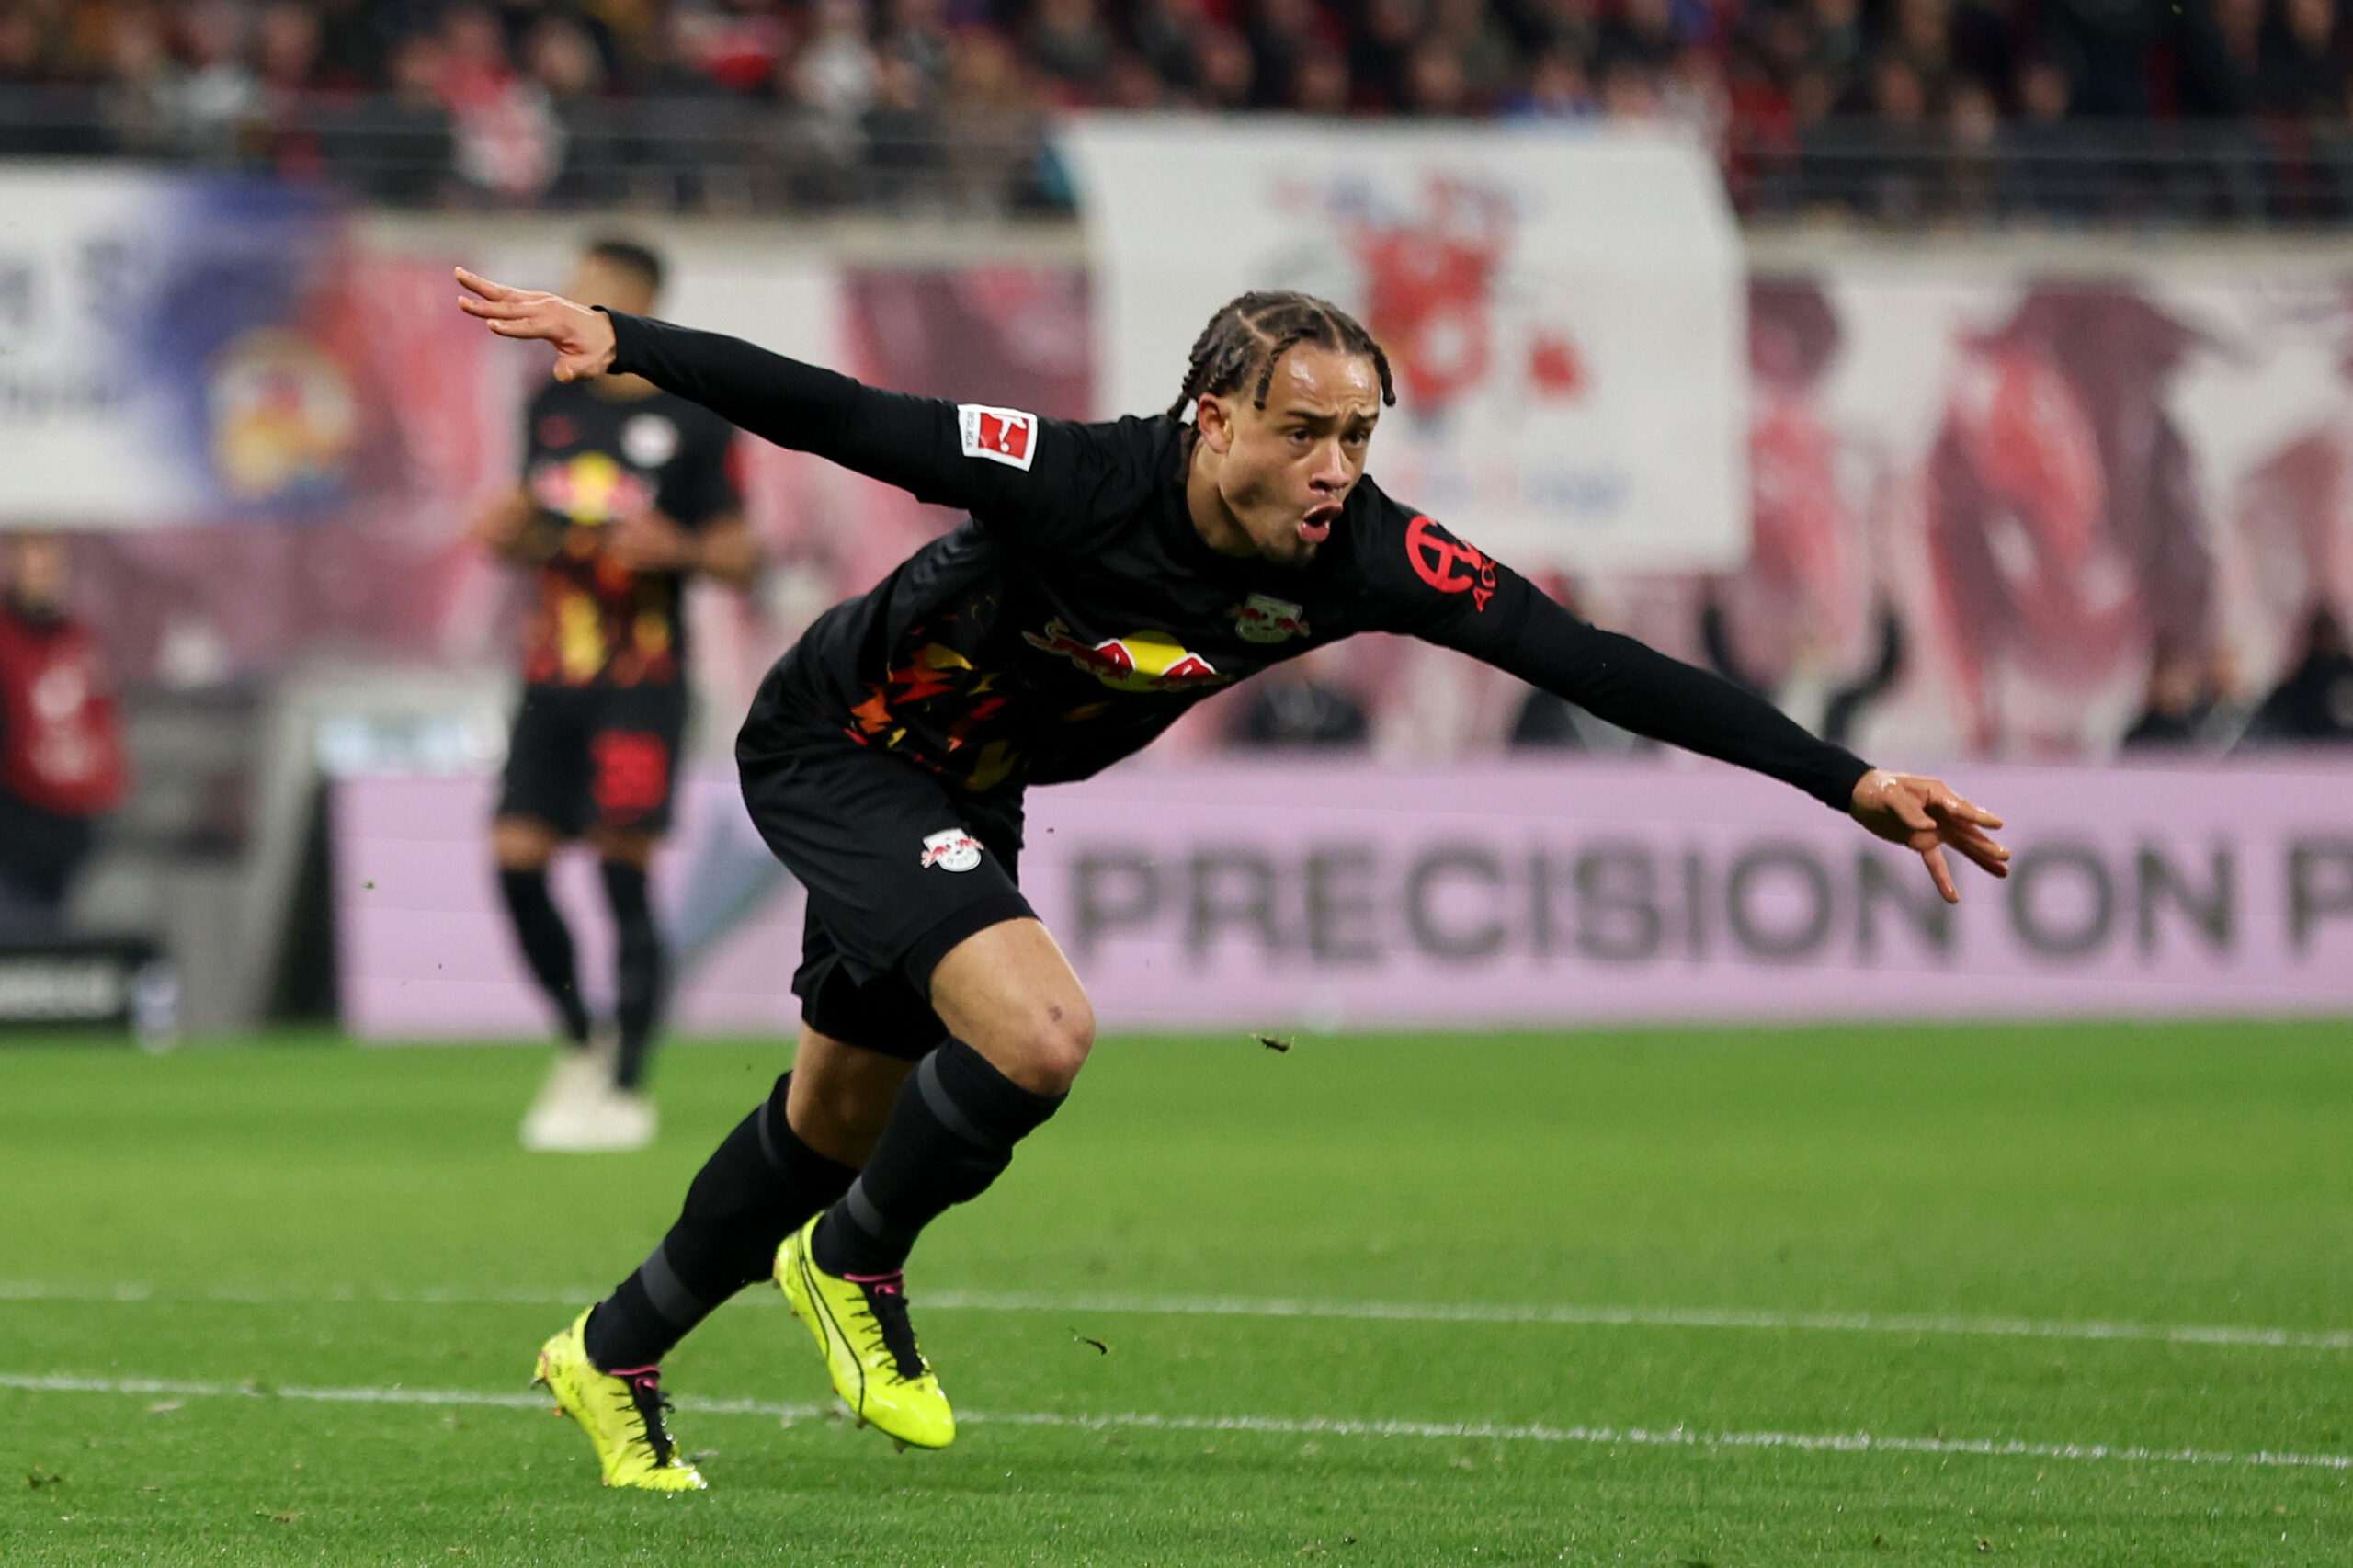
{"points": [[868, 1346], [622, 1415]]}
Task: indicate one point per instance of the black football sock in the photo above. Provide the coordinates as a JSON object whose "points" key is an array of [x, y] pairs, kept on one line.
{"points": [[637, 979], [546, 942], [761, 1184], [951, 1132]]}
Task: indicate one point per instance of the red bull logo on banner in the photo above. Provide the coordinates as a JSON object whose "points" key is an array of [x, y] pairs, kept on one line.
{"points": [[1141, 661], [1260, 619]]}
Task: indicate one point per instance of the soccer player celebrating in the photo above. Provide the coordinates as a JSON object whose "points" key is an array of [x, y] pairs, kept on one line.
{"points": [[1111, 575], [626, 493]]}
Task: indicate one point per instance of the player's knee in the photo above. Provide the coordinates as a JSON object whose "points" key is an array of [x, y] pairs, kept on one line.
{"points": [[519, 844], [1054, 1047]]}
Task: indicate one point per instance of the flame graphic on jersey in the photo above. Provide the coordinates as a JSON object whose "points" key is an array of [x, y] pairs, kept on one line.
{"points": [[1141, 661], [589, 489]]}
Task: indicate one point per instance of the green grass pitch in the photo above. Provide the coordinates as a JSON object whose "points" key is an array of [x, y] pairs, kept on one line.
{"points": [[277, 1303]]}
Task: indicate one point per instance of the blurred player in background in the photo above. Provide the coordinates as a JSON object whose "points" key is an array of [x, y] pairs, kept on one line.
{"points": [[60, 742], [627, 493]]}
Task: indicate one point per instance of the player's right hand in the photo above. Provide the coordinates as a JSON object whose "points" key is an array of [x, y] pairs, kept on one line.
{"points": [[583, 337]]}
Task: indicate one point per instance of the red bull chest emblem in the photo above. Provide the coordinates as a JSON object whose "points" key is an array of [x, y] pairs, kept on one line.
{"points": [[1260, 619], [1141, 661]]}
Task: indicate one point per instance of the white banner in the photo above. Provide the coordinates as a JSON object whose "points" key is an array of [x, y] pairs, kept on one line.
{"points": [[1563, 311], [168, 349]]}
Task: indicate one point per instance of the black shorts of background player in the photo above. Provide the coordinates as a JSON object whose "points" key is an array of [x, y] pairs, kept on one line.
{"points": [[1111, 575], [626, 492]]}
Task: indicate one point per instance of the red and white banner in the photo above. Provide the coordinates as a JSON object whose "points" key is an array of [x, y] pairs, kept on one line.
{"points": [[1562, 311]]}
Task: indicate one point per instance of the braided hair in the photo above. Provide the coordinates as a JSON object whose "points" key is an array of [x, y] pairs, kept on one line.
{"points": [[1250, 333]]}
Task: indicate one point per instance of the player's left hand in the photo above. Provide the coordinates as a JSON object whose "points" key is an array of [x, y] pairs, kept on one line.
{"points": [[1925, 815], [583, 338], [648, 541]]}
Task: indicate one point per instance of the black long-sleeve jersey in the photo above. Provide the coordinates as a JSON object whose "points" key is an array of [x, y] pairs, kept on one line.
{"points": [[1078, 613]]}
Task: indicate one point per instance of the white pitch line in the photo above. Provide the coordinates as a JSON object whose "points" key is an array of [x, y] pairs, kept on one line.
{"points": [[1268, 1426], [1568, 1313]]}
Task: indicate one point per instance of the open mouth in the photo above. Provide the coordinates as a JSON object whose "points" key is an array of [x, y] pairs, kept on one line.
{"points": [[1317, 526]]}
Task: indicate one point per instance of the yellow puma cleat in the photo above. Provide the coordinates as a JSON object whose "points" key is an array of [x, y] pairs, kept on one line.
{"points": [[868, 1346], [622, 1415]]}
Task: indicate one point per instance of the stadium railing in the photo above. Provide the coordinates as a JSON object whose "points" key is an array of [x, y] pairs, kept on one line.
{"points": [[722, 155]]}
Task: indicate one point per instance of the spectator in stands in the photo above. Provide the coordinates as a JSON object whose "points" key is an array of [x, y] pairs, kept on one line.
{"points": [[1974, 133], [1641, 33], [1383, 42], [1319, 81], [1434, 84], [2110, 47], [915, 34], [137, 103], [1281, 33], [21, 46], [286, 52], [563, 61], [61, 743], [2178, 712], [1069, 46], [218, 101], [399, 146], [2313, 705], [2303, 73], [353, 56], [1483, 52], [2043, 171], [1163, 32], [2222, 58], [1557, 89], [1226, 69], [1570, 27], [1130, 84], [987, 115]]}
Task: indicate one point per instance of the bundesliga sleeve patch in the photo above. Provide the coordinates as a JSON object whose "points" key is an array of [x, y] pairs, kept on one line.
{"points": [[1006, 436]]}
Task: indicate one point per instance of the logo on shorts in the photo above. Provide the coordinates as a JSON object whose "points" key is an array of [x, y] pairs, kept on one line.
{"points": [[952, 850], [1001, 435]]}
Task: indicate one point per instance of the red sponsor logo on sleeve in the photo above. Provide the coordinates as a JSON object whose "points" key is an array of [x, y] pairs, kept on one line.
{"points": [[1448, 564], [1001, 435]]}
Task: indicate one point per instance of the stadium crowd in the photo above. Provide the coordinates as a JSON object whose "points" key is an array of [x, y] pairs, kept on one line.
{"points": [[1892, 104]]}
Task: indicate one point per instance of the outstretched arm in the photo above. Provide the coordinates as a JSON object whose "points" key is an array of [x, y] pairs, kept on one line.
{"points": [[1640, 688], [916, 443]]}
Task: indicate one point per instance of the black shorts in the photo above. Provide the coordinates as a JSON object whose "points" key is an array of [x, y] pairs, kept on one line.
{"points": [[586, 757], [899, 869]]}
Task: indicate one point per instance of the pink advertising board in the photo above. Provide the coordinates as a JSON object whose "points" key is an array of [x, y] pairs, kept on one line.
{"points": [[1244, 894]]}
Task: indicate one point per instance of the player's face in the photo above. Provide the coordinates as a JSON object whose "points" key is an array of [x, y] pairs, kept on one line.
{"points": [[1287, 468], [596, 281]]}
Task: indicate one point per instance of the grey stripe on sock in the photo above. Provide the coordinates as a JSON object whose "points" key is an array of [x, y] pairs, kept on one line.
{"points": [[873, 1220], [951, 1115], [678, 1306]]}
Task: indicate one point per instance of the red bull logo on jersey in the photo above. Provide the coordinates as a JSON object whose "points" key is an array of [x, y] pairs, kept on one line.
{"points": [[590, 488], [1000, 434], [1262, 618], [1141, 661]]}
